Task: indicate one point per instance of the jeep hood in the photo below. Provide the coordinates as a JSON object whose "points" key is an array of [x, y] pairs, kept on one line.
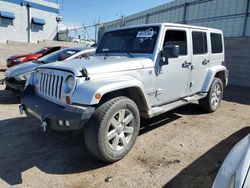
{"points": [[99, 64], [21, 69]]}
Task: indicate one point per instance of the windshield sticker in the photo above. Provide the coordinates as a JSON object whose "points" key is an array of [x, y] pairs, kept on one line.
{"points": [[148, 33], [71, 52]]}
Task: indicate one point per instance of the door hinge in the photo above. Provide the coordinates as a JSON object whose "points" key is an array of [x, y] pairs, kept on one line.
{"points": [[192, 67]]}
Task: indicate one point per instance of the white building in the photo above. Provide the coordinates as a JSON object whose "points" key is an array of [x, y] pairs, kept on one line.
{"points": [[28, 20]]}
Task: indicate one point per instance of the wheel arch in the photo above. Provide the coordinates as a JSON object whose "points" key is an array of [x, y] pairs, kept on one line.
{"points": [[218, 72], [109, 88], [134, 93], [222, 76]]}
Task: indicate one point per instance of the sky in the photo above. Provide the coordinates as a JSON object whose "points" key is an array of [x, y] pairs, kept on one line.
{"points": [[85, 12]]}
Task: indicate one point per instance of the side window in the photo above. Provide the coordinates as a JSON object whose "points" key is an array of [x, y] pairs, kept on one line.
{"points": [[216, 43], [175, 37], [199, 42]]}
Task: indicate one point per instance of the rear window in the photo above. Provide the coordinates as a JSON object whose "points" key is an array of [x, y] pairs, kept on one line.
{"points": [[216, 42], [199, 42]]}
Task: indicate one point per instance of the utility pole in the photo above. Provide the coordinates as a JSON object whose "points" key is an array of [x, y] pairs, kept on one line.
{"points": [[96, 28]]}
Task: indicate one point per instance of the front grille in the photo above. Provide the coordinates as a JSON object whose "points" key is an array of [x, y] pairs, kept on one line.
{"points": [[51, 85]]}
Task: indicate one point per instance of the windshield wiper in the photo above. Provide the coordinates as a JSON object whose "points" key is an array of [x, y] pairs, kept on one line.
{"points": [[106, 51], [38, 61], [35, 61]]}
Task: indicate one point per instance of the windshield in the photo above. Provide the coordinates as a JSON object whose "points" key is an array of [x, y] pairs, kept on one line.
{"points": [[135, 40], [58, 55]]}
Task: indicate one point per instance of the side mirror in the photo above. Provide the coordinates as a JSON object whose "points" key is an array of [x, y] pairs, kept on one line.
{"points": [[170, 51]]}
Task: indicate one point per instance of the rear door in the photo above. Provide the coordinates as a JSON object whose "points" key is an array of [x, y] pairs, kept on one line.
{"points": [[200, 59]]}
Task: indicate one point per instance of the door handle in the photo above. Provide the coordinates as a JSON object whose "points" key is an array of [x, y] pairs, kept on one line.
{"points": [[205, 62], [186, 64]]}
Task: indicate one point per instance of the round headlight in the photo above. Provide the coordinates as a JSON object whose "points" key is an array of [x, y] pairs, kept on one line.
{"points": [[69, 84]]}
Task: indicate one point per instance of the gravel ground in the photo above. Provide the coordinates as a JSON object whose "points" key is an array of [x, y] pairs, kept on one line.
{"points": [[181, 148]]}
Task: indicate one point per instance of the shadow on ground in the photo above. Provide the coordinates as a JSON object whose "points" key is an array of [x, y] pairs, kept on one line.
{"points": [[9, 97], [2, 70], [237, 94], [201, 172], [24, 146]]}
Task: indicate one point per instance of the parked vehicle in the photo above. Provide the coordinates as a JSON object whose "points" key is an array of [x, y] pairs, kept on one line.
{"points": [[15, 77], [19, 59], [235, 170], [138, 71], [88, 43]]}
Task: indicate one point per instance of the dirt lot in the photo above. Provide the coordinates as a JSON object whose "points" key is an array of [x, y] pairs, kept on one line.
{"points": [[182, 148]]}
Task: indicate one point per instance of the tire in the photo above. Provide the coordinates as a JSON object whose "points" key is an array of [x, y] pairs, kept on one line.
{"points": [[107, 135], [212, 101]]}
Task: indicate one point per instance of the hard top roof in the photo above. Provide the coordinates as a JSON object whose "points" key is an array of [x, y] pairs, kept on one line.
{"points": [[171, 25]]}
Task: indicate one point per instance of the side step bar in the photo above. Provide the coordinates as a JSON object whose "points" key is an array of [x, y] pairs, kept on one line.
{"points": [[165, 108]]}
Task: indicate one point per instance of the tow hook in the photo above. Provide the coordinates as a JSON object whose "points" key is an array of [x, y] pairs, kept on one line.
{"points": [[44, 125], [21, 109]]}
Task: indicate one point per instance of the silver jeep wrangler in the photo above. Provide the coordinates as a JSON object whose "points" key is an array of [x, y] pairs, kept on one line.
{"points": [[139, 71]]}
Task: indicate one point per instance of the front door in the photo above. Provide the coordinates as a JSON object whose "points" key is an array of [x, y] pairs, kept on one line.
{"points": [[173, 79]]}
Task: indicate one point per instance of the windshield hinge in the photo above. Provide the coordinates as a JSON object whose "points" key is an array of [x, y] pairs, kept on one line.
{"points": [[85, 73]]}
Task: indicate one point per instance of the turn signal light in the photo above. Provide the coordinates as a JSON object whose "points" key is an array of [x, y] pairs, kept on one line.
{"points": [[98, 96]]}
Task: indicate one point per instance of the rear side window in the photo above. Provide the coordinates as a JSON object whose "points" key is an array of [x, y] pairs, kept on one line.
{"points": [[175, 37], [216, 43], [199, 42]]}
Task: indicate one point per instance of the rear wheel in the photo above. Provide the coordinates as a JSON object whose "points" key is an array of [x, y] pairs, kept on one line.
{"points": [[212, 101], [113, 129]]}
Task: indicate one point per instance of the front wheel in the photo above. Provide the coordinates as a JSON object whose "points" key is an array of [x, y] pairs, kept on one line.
{"points": [[212, 101], [112, 131]]}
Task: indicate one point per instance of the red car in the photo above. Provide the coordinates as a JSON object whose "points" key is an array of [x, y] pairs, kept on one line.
{"points": [[19, 59]]}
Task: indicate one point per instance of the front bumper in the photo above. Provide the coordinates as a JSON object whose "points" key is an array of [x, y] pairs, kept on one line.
{"points": [[57, 117]]}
